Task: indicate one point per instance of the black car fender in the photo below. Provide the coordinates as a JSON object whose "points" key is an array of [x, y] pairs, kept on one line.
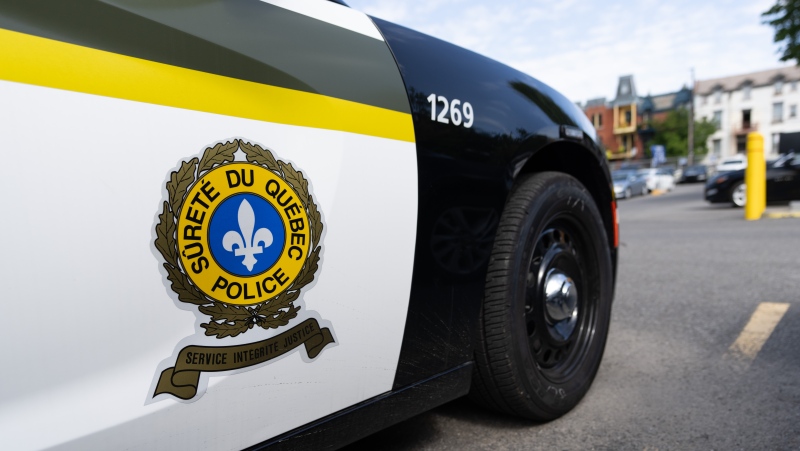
{"points": [[466, 170]]}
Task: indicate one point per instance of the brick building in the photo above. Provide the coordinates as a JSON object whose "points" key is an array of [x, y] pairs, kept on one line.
{"points": [[621, 122], [616, 121], [601, 114]]}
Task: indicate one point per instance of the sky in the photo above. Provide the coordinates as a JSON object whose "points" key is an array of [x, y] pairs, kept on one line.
{"points": [[582, 47]]}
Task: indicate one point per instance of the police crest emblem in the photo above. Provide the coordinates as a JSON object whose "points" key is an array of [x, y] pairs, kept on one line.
{"points": [[239, 239]]}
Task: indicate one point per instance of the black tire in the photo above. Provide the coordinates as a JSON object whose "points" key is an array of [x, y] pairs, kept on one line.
{"points": [[527, 363]]}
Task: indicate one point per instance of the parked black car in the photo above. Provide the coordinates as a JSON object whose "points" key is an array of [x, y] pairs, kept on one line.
{"points": [[696, 173], [783, 183]]}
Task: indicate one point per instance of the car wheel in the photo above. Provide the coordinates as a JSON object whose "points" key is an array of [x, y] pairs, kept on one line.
{"points": [[547, 302], [627, 193], [738, 195]]}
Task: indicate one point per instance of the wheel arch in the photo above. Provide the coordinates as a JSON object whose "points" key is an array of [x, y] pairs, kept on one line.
{"points": [[582, 163]]}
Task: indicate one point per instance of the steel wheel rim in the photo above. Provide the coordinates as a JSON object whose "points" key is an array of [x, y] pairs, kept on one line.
{"points": [[739, 195], [559, 332]]}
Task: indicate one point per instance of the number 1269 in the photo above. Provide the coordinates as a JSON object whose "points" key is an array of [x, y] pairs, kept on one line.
{"points": [[453, 109]]}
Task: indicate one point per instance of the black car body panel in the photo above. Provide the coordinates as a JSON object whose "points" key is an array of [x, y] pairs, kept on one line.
{"points": [[465, 175], [697, 173]]}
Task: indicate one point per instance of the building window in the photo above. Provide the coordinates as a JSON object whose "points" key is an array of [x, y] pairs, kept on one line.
{"points": [[718, 118], [741, 143], [717, 95], [746, 91], [777, 112], [792, 111], [793, 85], [778, 86], [597, 120], [717, 146], [746, 119], [624, 117]]}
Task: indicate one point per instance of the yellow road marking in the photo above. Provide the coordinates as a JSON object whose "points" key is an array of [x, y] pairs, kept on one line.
{"points": [[786, 214], [757, 331], [45, 62]]}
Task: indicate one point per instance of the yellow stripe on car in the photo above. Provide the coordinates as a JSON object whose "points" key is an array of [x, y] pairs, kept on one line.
{"points": [[45, 62]]}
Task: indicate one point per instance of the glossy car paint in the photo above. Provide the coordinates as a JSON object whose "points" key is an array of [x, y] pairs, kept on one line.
{"points": [[269, 44], [628, 181], [465, 175], [101, 112], [657, 178], [783, 182], [733, 163], [697, 173], [403, 315]]}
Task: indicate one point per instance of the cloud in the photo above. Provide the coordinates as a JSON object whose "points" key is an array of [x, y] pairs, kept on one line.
{"points": [[581, 48]]}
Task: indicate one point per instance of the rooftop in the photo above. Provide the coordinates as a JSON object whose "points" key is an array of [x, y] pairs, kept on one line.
{"points": [[626, 91], [666, 102], [762, 78], [600, 101]]}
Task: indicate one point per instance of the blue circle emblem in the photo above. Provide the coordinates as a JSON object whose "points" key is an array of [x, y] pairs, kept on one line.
{"points": [[246, 235]]}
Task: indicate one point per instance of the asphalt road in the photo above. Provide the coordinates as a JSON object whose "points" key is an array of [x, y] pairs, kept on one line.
{"points": [[691, 277]]}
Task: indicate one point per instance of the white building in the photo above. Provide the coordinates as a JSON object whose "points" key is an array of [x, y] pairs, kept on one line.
{"points": [[764, 102]]}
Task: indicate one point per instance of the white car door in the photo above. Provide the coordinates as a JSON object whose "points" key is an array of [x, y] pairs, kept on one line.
{"points": [[199, 254]]}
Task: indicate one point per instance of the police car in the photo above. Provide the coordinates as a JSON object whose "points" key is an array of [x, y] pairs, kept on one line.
{"points": [[285, 224]]}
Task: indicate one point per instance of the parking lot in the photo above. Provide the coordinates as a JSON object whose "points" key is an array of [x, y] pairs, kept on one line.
{"points": [[703, 353]]}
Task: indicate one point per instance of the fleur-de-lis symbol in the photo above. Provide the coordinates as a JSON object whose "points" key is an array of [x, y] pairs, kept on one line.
{"points": [[246, 242]]}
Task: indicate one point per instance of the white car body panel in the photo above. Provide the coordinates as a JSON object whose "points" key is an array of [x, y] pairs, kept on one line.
{"points": [[732, 164], [656, 180], [84, 181]]}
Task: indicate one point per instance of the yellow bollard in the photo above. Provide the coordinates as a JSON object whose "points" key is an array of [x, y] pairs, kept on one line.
{"points": [[755, 178]]}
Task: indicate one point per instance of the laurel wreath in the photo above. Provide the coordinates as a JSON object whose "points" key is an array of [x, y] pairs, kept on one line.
{"points": [[227, 320]]}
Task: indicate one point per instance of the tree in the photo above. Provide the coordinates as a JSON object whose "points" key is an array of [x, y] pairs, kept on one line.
{"points": [[784, 17], [673, 133]]}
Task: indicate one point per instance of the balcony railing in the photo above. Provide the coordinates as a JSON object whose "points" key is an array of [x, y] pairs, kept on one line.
{"points": [[743, 128]]}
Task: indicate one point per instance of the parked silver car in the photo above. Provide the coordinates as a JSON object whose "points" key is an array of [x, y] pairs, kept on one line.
{"points": [[628, 184]]}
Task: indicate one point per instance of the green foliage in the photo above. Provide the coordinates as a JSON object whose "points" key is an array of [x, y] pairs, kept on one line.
{"points": [[673, 133], [784, 17]]}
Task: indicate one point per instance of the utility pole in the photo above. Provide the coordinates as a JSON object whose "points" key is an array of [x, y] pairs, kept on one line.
{"points": [[691, 123]]}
